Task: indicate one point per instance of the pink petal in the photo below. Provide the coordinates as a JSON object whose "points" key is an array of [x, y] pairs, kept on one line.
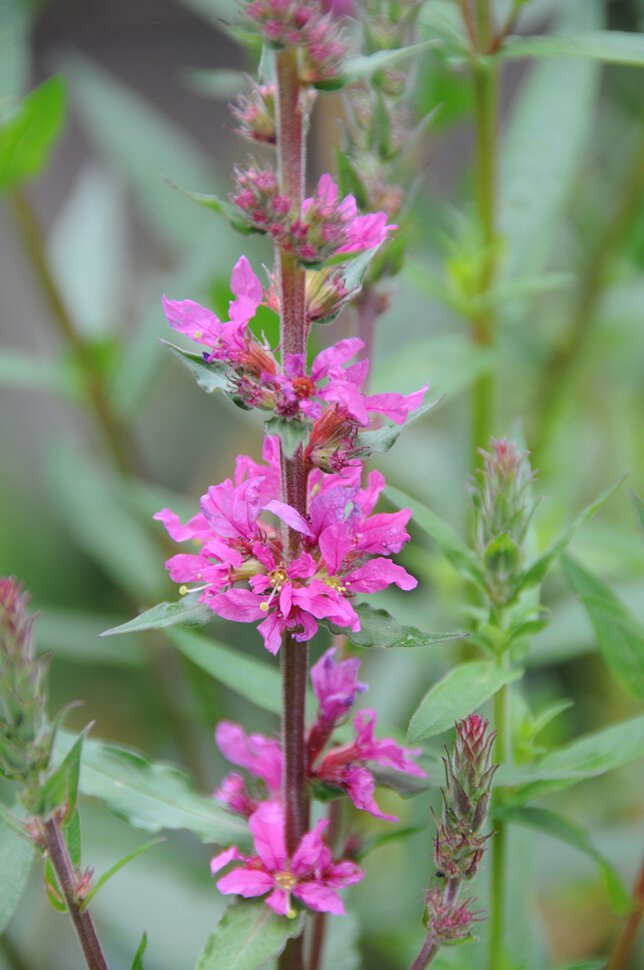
{"points": [[267, 828], [237, 604], [195, 528], [192, 319], [319, 897], [343, 873], [260, 755], [360, 785], [307, 855], [396, 407], [271, 630], [279, 902], [289, 515], [334, 356], [219, 861], [378, 574], [248, 290], [245, 882]]}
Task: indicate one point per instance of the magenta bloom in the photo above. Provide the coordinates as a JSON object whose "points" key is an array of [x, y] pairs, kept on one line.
{"points": [[335, 685], [310, 875], [260, 756]]}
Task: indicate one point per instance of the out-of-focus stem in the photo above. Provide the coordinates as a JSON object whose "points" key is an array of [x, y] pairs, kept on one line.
{"points": [[64, 869], [291, 130], [116, 435], [557, 370], [499, 843], [368, 307], [320, 920], [621, 955]]}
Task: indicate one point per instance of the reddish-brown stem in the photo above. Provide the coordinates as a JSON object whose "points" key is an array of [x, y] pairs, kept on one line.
{"points": [[67, 880], [291, 130], [320, 920], [430, 947], [621, 955]]}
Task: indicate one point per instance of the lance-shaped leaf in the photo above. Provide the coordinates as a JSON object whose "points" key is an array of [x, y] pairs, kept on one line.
{"points": [[535, 574], [228, 210], [100, 882], [187, 611], [137, 962], [457, 694], [378, 628], [246, 937], [608, 46], [591, 755], [256, 680], [544, 820], [366, 65], [61, 787], [27, 136], [639, 508], [16, 856], [379, 440], [619, 634], [151, 795], [442, 534], [291, 433]]}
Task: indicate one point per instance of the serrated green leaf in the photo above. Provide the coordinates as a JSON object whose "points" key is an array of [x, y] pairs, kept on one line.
{"points": [[291, 433], [100, 882], [379, 440], [27, 136], [461, 691], [591, 755], [447, 541], [378, 628], [209, 376], [137, 962], [544, 820], [535, 574], [256, 680], [187, 611], [16, 856], [151, 795], [619, 635], [247, 935], [608, 46]]}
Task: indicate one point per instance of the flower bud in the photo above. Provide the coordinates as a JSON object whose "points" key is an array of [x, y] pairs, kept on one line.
{"points": [[449, 921], [255, 114]]}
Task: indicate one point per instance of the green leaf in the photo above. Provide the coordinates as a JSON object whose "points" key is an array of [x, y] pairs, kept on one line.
{"points": [[544, 145], [16, 856], [256, 680], [188, 611], [349, 181], [619, 635], [591, 755], [151, 795], [364, 66], [536, 573], [61, 787], [28, 136], [340, 950], [379, 629], [461, 691], [75, 636], [210, 377], [291, 433], [447, 541], [137, 962], [379, 440], [100, 882], [555, 825], [586, 965], [639, 508], [227, 209], [247, 935], [609, 46]]}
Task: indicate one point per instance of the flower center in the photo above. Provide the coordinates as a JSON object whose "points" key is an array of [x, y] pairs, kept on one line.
{"points": [[303, 386], [286, 881], [277, 578], [337, 584]]}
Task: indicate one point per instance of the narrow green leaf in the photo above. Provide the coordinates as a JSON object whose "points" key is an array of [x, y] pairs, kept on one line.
{"points": [[544, 820], [151, 795], [619, 635], [247, 935], [379, 440], [591, 755], [16, 856], [461, 691], [137, 962], [209, 376], [639, 508], [609, 46], [256, 680], [28, 136], [379, 629], [216, 204], [447, 541], [365, 66], [187, 611], [291, 433], [61, 787], [535, 573], [349, 181], [100, 882]]}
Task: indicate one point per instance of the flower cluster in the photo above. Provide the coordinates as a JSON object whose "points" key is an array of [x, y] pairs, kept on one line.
{"points": [[255, 114], [242, 571], [311, 25], [326, 226], [340, 767]]}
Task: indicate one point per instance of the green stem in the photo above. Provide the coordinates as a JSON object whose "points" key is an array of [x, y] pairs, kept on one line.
{"points": [[499, 842], [621, 956], [483, 322], [116, 435], [291, 132]]}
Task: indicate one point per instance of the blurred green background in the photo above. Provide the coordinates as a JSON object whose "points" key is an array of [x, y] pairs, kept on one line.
{"points": [[569, 366]]}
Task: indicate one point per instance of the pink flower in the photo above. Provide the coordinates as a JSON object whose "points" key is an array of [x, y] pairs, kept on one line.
{"points": [[310, 875], [335, 685], [261, 756]]}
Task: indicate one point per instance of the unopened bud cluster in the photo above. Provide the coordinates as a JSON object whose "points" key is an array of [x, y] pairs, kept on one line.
{"points": [[305, 24], [502, 514], [255, 114], [25, 736]]}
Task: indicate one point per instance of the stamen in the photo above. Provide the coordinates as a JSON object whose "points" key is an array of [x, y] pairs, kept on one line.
{"points": [[192, 589]]}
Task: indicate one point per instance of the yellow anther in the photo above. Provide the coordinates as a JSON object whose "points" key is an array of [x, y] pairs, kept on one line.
{"points": [[198, 334], [183, 590], [285, 881], [263, 607]]}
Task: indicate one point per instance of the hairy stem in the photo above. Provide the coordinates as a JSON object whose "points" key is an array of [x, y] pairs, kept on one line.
{"points": [[291, 131], [621, 956], [498, 847], [67, 880], [427, 953], [115, 434]]}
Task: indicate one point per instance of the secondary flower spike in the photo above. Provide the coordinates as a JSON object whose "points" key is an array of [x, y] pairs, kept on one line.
{"points": [[311, 875]]}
